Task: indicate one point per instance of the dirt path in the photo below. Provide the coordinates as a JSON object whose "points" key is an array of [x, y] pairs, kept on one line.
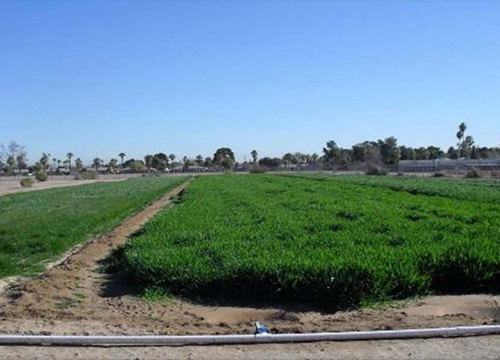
{"points": [[12, 187], [73, 297]]}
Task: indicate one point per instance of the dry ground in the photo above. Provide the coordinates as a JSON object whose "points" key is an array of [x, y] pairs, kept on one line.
{"points": [[73, 297], [486, 348], [12, 187]]}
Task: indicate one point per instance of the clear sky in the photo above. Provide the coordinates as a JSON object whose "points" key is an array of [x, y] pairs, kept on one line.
{"points": [[100, 77]]}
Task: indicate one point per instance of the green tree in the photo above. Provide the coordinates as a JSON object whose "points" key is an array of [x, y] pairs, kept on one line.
{"points": [[452, 153], [112, 165], [78, 165], [270, 162], [407, 153], [97, 163], [224, 158], [421, 153], [136, 166], [160, 161], [314, 158], [435, 152], [199, 160], [331, 153], [148, 160], [467, 146], [389, 150], [288, 159]]}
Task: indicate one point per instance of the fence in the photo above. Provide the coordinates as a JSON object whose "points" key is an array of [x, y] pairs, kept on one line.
{"points": [[448, 165]]}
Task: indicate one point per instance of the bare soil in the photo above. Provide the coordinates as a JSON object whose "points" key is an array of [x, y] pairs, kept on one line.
{"points": [[74, 297], [12, 187]]}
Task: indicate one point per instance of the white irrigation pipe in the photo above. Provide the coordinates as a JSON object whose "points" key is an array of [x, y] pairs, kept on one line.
{"points": [[247, 339]]}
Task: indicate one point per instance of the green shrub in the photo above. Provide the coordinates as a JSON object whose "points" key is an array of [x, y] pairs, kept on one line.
{"points": [[89, 175], [375, 170], [438, 174], [473, 174], [27, 182], [257, 170], [41, 176]]}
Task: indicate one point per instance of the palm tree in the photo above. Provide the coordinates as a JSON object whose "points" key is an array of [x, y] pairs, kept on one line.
{"points": [[44, 161], [460, 136], [97, 162], [69, 156], [11, 162], [78, 165], [314, 158], [122, 156], [172, 158], [255, 156]]}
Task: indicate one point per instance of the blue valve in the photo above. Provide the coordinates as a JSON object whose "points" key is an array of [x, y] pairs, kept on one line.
{"points": [[261, 329]]}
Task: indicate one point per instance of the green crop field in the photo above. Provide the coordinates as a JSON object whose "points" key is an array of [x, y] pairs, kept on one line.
{"points": [[478, 190], [36, 227], [335, 241]]}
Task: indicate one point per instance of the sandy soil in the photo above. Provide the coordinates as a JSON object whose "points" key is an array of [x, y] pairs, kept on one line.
{"points": [[12, 187], [73, 297], [487, 347]]}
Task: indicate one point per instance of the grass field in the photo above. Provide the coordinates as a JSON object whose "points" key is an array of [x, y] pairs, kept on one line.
{"points": [[337, 241], [36, 227]]}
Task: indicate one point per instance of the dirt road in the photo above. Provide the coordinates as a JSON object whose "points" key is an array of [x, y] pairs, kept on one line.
{"points": [[12, 187], [74, 297]]}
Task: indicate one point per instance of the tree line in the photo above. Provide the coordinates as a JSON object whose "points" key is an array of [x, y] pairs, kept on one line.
{"points": [[13, 158], [383, 152]]}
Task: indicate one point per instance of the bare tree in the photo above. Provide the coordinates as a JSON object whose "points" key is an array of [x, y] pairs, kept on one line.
{"points": [[16, 157]]}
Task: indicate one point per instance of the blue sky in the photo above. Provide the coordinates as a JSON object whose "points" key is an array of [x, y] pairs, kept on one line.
{"points": [[99, 77]]}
